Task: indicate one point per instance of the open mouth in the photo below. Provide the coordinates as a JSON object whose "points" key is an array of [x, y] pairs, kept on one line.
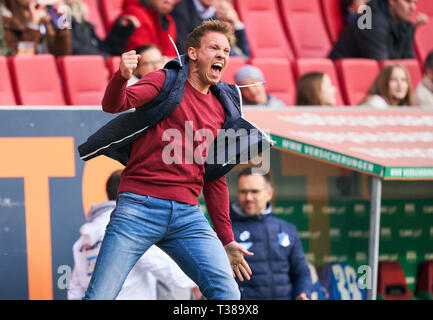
{"points": [[217, 68]]}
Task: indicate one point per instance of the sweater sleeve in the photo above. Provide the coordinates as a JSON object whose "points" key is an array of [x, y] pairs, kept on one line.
{"points": [[118, 97], [216, 195]]}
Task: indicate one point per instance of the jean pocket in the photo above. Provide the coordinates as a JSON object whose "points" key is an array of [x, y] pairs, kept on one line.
{"points": [[133, 197]]}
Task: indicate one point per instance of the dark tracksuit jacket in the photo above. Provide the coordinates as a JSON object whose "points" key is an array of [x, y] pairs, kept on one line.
{"points": [[280, 271]]}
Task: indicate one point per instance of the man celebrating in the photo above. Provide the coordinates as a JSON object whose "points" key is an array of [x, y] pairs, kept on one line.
{"points": [[280, 269], [157, 200]]}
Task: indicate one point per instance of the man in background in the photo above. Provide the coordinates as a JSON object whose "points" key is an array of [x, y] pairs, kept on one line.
{"points": [[142, 282], [156, 24], [251, 81], [151, 60], [279, 266], [189, 14], [390, 36]]}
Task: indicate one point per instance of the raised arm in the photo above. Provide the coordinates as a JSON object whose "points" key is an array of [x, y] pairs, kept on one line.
{"points": [[118, 97]]}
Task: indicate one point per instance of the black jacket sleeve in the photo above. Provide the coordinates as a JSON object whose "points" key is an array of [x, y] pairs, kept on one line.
{"points": [[117, 39], [242, 42], [299, 271], [186, 18], [373, 42]]}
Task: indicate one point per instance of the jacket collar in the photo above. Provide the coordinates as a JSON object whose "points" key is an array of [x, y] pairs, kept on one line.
{"points": [[222, 91], [238, 214], [178, 64]]}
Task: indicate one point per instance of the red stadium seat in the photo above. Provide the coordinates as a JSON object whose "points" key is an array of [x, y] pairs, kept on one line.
{"points": [[6, 93], [113, 64], [303, 66], [356, 76], [305, 28], [279, 78], [425, 281], [95, 18], [84, 78], [391, 283], [36, 80], [333, 18], [264, 29], [411, 65], [110, 10], [234, 65], [423, 34]]}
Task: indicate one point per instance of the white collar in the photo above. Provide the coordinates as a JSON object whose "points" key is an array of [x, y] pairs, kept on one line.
{"points": [[202, 12], [239, 211]]}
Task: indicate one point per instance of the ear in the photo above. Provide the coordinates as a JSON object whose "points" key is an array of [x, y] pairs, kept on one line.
{"points": [[270, 194], [192, 53]]}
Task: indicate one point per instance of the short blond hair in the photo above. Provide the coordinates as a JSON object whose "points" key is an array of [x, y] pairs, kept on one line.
{"points": [[194, 38]]}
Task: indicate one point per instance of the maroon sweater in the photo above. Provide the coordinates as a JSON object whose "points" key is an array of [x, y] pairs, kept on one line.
{"points": [[147, 174]]}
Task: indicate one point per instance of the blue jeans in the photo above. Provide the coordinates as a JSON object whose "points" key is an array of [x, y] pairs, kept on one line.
{"points": [[179, 229]]}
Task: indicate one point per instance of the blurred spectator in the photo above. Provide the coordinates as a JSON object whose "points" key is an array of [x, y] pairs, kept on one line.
{"points": [[391, 88], [156, 24], [315, 89], [85, 40], [151, 60], [3, 48], [226, 12], [424, 92], [255, 92], [189, 14], [141, 282], [279, 268], [349, 9], [391, 35], [29, 27]]}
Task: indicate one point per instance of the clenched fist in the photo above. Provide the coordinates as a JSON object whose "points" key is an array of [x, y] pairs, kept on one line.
{"points": [[129, 63]]}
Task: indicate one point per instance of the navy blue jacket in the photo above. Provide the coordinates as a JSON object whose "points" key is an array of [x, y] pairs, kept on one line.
{"points": [[280, 271], [239, 141]]}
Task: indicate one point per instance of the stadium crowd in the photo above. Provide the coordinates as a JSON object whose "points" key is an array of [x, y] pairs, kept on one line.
{"points": [[381, 30]]}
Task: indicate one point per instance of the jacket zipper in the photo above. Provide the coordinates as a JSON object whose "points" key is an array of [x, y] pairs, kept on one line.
{"points": [[269, 261]]}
